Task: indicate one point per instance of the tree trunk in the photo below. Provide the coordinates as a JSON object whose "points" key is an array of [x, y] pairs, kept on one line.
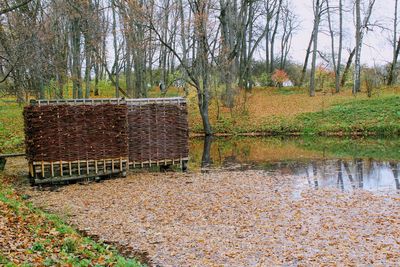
{"points": [[114, 32], [347, 68], [317, 17], [396, 47], [305, 65], [357, 63], [128, 64], [271, 64], [87, 66], [76, 62], [339, 60], [336, 66]]}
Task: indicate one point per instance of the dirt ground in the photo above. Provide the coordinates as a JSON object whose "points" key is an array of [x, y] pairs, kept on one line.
{"points": [[232, 219]]}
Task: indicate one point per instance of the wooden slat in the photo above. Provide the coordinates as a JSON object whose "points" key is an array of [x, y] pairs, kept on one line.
{"points": [[12, 155]]}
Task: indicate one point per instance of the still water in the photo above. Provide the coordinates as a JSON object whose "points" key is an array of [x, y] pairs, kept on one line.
{"points": [[346, 164]]}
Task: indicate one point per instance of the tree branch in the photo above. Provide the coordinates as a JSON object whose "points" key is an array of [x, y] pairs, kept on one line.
{"points": [[16, 6]]}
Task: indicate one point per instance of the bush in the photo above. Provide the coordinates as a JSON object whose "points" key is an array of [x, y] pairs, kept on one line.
{"points": [[264, 79], [371, 80], [279, 77]]}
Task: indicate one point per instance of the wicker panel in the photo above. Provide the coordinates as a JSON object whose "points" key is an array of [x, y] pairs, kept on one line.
{"points": [[76, 132], [157, 131]]}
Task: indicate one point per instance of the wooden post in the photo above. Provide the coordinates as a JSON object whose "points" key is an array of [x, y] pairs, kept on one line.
{"points": [[42, 169], [61, 168]]}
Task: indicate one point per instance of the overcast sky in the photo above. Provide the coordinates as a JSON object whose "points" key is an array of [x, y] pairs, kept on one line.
{"points": [[376, 44]]}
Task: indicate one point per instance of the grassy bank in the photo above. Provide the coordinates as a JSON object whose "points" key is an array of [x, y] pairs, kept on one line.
{"points": [[11, 126], [31, 237], [366, 117], [386, 149], [265, 111]]}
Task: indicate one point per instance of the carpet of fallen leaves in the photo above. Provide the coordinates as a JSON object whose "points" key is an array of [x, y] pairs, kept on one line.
{"points": [[29, 237], [233, 219]]}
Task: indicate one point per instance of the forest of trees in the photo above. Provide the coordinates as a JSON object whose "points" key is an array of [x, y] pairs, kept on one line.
{"points": [[137, 44]]}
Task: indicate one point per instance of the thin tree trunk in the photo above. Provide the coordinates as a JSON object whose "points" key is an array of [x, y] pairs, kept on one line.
{"points": [[114, 32], [76, 62], [339, 60], [317, 17], [332, 36], [305, 65], [396, 46], [88, 64], [357, 63], [271, 64], [347, 68]]}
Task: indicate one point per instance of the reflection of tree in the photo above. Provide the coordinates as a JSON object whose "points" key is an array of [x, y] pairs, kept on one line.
{"points": [[369, 166], [340, 174], [206, 158], [395, 171], [308, 176], [359, 172], [315, 172], [346, 167]]}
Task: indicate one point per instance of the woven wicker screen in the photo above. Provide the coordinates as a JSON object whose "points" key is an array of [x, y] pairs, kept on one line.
{"points": [[157, 131], [65, 132]]}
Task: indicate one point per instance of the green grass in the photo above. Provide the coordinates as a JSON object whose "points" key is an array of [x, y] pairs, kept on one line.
{"points": [[52, 240], [289, 91], [11, 126], [367, 117], [378, 149]]}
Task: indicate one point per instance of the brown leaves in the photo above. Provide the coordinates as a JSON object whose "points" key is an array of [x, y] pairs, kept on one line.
{"points": [[28, 236], [234, 219]]}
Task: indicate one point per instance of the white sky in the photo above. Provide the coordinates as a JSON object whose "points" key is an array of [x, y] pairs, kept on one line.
{"points": [[377, 48]]}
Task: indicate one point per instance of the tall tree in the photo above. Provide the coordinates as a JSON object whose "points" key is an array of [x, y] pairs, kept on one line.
{"points": [[361, 27], [115, 43], [317, 19], [357, 63], [336, 62], [396, 47]]}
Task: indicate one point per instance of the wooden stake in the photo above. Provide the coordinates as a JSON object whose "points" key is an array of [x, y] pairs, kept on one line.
{"points": [[61, 168], [42, 169]]}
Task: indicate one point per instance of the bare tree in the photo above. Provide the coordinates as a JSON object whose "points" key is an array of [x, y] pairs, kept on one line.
{"points": [[336, 62], [318, 11], [289, 24], [396, 48], [14, 7], [231, 38], [199, 71], [273, 36], [306, 59], [115, 43], [360, 31]]}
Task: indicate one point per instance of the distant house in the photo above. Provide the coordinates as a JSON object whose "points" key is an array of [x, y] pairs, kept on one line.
{"points": [[288, 83]]}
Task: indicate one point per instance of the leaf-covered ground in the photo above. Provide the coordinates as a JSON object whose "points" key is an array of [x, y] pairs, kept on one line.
{"points": [[30, 237], [233, 219]]}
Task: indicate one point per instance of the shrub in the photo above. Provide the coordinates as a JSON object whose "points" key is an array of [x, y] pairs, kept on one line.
{"points": [[264, 79], [279, 77]]}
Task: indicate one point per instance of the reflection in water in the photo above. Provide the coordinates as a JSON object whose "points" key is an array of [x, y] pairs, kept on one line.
{"points": [[206, 157], [368, 174], [315, 169]]}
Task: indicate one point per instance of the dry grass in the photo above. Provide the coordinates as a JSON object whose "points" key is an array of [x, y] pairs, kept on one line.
{"points": [[266, 105]]}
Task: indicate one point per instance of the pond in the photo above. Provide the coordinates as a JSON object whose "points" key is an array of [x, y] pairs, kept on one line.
{"points": [[346, 164]]}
